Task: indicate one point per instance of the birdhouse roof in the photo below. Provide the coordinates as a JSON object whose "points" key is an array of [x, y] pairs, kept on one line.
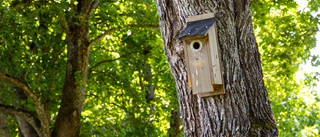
{"points": [[199, 27]]}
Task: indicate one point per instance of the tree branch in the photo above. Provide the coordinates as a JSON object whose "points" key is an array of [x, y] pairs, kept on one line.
{"points": [[64, 25], [26, 115], [97, 39], [253, 2], [85, 7], [20, 4], [93, 6], [39, 106], [94, 41], [19, 84], [63, 19], [105, 61]]}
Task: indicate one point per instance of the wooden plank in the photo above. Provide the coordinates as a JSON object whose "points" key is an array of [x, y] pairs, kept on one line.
{"points": [[187, 61], [218, 90], [218, 82], [210, 61], [215, 56], [192, 37], [206, 94], [199, 68], [219, 57], [200, 17]]}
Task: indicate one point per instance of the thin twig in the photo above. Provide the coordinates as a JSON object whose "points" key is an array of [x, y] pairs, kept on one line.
{"points": [[105, 61], [97, 39]]}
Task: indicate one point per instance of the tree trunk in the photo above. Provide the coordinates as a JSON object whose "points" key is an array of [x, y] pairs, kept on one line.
{"points": [[4, 127], [73, 94], [174, 130], [25, 129], [245, 109]]}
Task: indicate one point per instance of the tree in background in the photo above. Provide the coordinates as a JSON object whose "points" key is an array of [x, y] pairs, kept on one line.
{"points": [[114, 91]]}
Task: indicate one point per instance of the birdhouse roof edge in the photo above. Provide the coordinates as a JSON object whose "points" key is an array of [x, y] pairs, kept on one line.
{"points": [[199, 27]]}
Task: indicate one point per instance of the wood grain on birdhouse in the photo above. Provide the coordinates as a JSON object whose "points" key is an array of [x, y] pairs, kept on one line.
{"points": [[199, 66]]}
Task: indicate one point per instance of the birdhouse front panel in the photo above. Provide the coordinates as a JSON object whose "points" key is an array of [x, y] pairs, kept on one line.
{"points": [[199, 70]]}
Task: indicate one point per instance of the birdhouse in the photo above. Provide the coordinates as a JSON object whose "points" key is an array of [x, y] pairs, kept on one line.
{"points": [[202, 55]]}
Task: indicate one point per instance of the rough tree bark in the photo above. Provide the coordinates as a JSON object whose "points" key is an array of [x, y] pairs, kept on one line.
{"points": [[245, 109]]}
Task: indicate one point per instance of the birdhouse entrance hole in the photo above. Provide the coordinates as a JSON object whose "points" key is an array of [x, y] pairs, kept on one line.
{"points": [[196, 45]]}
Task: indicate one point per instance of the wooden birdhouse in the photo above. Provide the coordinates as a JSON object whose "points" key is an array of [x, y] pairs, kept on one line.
{"points": [[202, 55]]}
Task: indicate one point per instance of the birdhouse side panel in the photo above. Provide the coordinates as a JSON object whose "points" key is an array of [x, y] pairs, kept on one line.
{"points": [[199, 67], [187, 63], [215, 57]]}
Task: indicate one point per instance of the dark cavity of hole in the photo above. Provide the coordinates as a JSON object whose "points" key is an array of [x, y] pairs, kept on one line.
{"points": [[196, 45]]}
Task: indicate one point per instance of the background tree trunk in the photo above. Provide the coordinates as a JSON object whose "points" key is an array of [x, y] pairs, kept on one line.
{"points": [[245, 109], [174, 130], [25, 129], [4, 127], [73, 94], [74, 89]]}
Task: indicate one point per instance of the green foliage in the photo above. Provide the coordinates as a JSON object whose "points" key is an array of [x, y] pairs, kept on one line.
{"points": [[285, 37], [33, 48], [119, 92], [116, 103], [314, 5]]}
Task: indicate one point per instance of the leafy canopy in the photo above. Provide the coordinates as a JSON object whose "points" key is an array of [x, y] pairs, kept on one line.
{"points": [[285, 36]]}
